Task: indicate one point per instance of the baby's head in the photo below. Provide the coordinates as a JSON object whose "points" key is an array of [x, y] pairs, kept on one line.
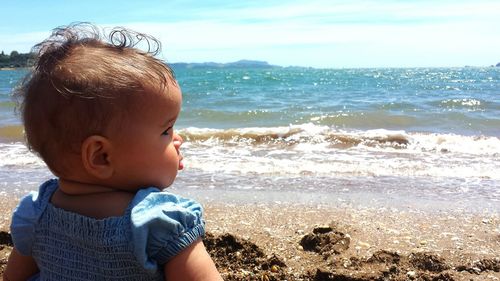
{"points": [[90, 99]]}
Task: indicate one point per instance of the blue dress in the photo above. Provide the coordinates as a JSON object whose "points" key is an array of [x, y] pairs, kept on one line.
{"points": [[156, 226]]}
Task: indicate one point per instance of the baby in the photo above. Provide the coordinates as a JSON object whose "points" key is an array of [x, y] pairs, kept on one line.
{"points": [[101, 115]]}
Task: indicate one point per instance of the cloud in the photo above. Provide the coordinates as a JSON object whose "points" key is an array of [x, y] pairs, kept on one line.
{"points": [[21, 42], [298, 38], [321, 33], [372, 12]]}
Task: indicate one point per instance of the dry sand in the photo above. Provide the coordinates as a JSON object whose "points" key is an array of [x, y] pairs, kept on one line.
{"points": [[360, 243], [304, 242]]}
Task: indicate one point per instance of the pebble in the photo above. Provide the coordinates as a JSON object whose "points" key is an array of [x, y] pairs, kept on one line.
{"points": [[363, 244], [346, 263], [411, 274], [322, 229], [267, 230], [245, 273], [476, 269]]}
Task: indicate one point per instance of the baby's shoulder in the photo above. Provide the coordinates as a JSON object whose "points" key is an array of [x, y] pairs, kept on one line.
{"points": [[151, 203], [35, 202], [163, 224], [27, 214]]}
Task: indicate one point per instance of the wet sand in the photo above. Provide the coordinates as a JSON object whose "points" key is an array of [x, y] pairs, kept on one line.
{"points": [[325, 242]]}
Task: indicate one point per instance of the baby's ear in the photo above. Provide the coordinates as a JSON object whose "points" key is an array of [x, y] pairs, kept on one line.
{"points": [[95, 157]]}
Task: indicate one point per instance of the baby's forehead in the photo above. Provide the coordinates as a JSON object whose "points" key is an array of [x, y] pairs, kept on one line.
{"points": [[167, 95], [155, 109], [155, 95]]}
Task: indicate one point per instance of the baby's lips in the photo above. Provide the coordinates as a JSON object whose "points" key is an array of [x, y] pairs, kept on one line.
{"points": [[177, 144], [181, 165]]}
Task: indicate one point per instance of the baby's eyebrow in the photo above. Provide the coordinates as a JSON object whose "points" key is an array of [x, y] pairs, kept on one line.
{"points": [[169, 121]]}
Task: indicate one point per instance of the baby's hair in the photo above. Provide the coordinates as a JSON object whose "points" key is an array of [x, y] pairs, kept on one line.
{"points": [[84, 83]]}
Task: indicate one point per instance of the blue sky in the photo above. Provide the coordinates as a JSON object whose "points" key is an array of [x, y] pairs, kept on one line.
{"points": [[317, 33]]}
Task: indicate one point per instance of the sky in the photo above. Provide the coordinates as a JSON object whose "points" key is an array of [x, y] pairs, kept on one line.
{"points": [[313, 33]]}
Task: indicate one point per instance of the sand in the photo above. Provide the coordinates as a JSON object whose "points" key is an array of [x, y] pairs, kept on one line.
{"points": [[283, 241], [360, 243]]}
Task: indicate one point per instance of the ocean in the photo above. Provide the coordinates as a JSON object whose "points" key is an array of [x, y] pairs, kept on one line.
{"points": [[417, 138]]}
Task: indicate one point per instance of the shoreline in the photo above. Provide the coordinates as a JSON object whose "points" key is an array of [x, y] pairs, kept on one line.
{"points": [[258, 241], [14, 68]]}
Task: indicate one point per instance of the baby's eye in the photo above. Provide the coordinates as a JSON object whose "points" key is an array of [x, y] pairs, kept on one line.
{"points": [[167, 131]]}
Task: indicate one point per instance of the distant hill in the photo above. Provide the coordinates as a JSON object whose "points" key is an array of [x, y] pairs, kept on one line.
{"points": [[236, 64], [15, 59]]}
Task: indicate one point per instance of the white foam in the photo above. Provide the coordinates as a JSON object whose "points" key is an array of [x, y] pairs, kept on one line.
{"points": [[309, 150], [306, 160], [16, 154], [433, 155], [451, 143]]}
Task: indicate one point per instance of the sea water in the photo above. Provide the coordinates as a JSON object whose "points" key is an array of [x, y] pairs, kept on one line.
{"points": [[403, 137]]}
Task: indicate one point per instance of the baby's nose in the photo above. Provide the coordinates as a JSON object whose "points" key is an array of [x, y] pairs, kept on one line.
{"points": [[177, 141], [177, 144]]}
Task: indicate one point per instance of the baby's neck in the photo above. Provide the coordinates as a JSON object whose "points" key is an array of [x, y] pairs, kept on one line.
{"points": [[75, 188], [91, 200]]}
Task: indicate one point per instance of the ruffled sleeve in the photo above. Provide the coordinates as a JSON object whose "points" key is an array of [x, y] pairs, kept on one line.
{"points": [[163, 224], [26, 216]]}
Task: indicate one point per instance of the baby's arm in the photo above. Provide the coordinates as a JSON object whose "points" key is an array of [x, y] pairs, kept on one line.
{"points": [[19, 267], [192, 263]]}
